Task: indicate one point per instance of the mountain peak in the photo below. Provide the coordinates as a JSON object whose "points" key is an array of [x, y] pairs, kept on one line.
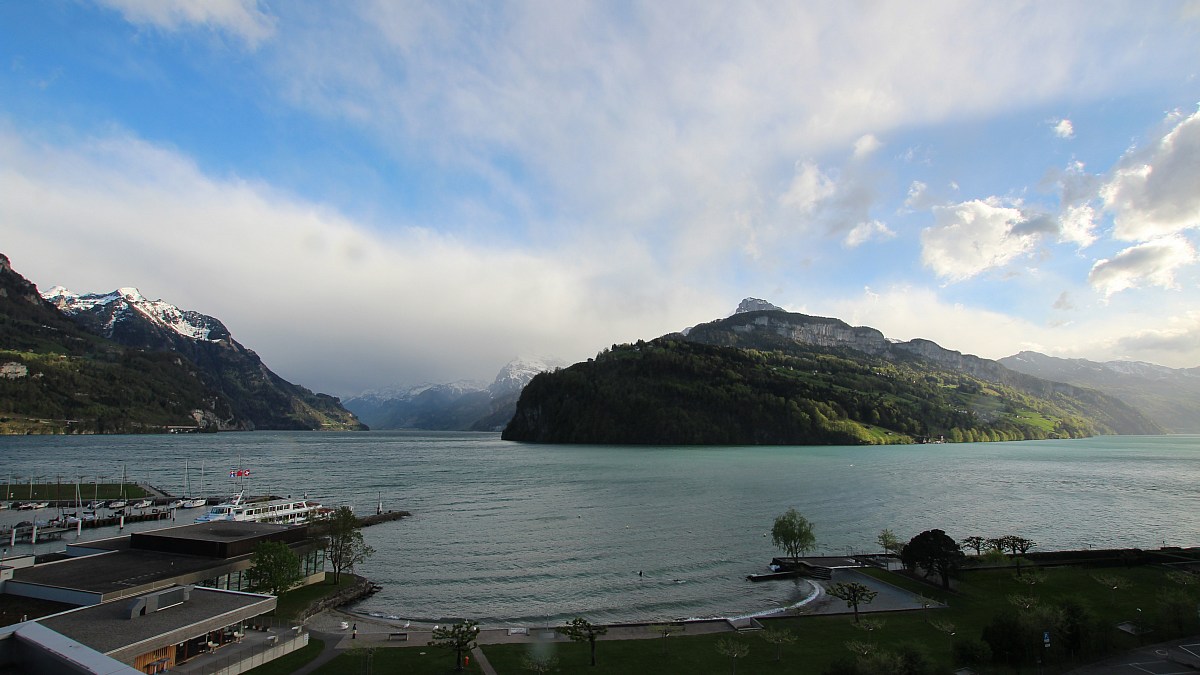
{"points": [[755, 305], [130, 294], [117, 304]]}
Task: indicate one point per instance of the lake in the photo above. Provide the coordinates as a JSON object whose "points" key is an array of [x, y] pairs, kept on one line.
{"points": [[508, 533]]}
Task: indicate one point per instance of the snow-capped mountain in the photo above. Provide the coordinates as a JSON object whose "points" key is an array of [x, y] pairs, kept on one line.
{"points": [[260, 399], [458, 406], [110, 313], [517, 373]]}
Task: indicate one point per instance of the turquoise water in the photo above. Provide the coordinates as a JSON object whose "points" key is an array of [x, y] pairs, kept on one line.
{"points": [[507, 533]]}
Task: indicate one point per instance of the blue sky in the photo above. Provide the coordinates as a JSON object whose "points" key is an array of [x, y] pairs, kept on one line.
{"points": [[372, 194]]}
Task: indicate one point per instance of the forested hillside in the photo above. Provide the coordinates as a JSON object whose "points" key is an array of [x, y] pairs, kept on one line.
{"points": [[675, 391], [114, 370], [56, 377]]}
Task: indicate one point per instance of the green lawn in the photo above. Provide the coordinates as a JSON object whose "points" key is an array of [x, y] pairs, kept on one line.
{"points": [[294, 602], [979, 596], [407, 660]]}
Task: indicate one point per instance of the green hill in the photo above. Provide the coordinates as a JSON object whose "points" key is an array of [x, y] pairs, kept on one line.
{"points": [[775, 387]]}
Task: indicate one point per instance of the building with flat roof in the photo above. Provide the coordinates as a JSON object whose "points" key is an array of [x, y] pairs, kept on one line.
{"points": [[151, 601]]}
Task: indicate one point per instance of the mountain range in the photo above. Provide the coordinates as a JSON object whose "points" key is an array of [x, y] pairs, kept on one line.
{"points": [[1169, 396], [119, 362], [458, 406], [766, 376]]}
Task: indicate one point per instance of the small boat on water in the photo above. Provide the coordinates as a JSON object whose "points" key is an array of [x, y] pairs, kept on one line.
{"points": [[117, 504], [193, 503], [30, 506], [144, 504], [266, 510]]}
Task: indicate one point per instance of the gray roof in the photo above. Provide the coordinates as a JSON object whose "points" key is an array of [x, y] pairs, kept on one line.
{"points": [[115, 572], [108, 628]]}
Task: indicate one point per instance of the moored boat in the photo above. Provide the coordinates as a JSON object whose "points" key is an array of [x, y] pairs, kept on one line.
{"points": [[266, 510]]}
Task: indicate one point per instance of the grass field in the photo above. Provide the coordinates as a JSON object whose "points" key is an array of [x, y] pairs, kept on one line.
{"points": [[291, 604], [1112, 595], [978, 597]]}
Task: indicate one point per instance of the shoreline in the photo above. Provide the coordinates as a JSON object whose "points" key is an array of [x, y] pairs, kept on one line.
{"points": [[816, 602]]}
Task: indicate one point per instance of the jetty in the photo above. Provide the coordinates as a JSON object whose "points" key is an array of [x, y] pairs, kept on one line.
{"points": [[385, 517], [788, 568]]}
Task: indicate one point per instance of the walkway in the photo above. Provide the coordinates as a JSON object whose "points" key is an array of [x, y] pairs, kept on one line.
{"points": [[329, 653]]}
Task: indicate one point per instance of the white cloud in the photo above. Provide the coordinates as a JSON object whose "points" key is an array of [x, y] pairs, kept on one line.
{"points": [[906, 312], [241, 18], [1064, 129], [1181, 335], [866, 145], [809, 187], [1153, 190], [1078, 225], [620, 116], [1153, 263], [974, 236], [374, 309], [918, 197], [864, 232]]}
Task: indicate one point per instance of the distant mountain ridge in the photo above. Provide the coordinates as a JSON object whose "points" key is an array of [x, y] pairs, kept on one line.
{"points": [[257, 397], [1169, 396], [457, 406], [773, 377]]}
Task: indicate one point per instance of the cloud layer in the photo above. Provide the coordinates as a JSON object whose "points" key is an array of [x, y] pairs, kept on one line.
{"points": [[427, 189]]}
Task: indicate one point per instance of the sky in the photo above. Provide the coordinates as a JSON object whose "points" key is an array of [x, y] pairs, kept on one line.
{"points": [[377, 194]]}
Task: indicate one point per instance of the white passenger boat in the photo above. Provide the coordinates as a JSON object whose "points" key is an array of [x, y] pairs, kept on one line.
{"points": [[285, 511]]}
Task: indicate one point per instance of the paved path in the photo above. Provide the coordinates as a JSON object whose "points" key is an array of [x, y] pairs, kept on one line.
{"points": [[327, 654], [486, 667]]}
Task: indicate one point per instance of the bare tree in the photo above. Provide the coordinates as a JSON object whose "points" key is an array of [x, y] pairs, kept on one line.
{"points": [[853, 593]]}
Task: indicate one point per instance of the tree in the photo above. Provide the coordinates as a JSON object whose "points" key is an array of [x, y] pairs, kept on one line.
{"points": [[854, 594], [934, 551], [580, 629], [793, 533], [733, 648], [778, 637], [976, 543], [273, 568], [458, 638], [888, 541], [345, 547]]}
